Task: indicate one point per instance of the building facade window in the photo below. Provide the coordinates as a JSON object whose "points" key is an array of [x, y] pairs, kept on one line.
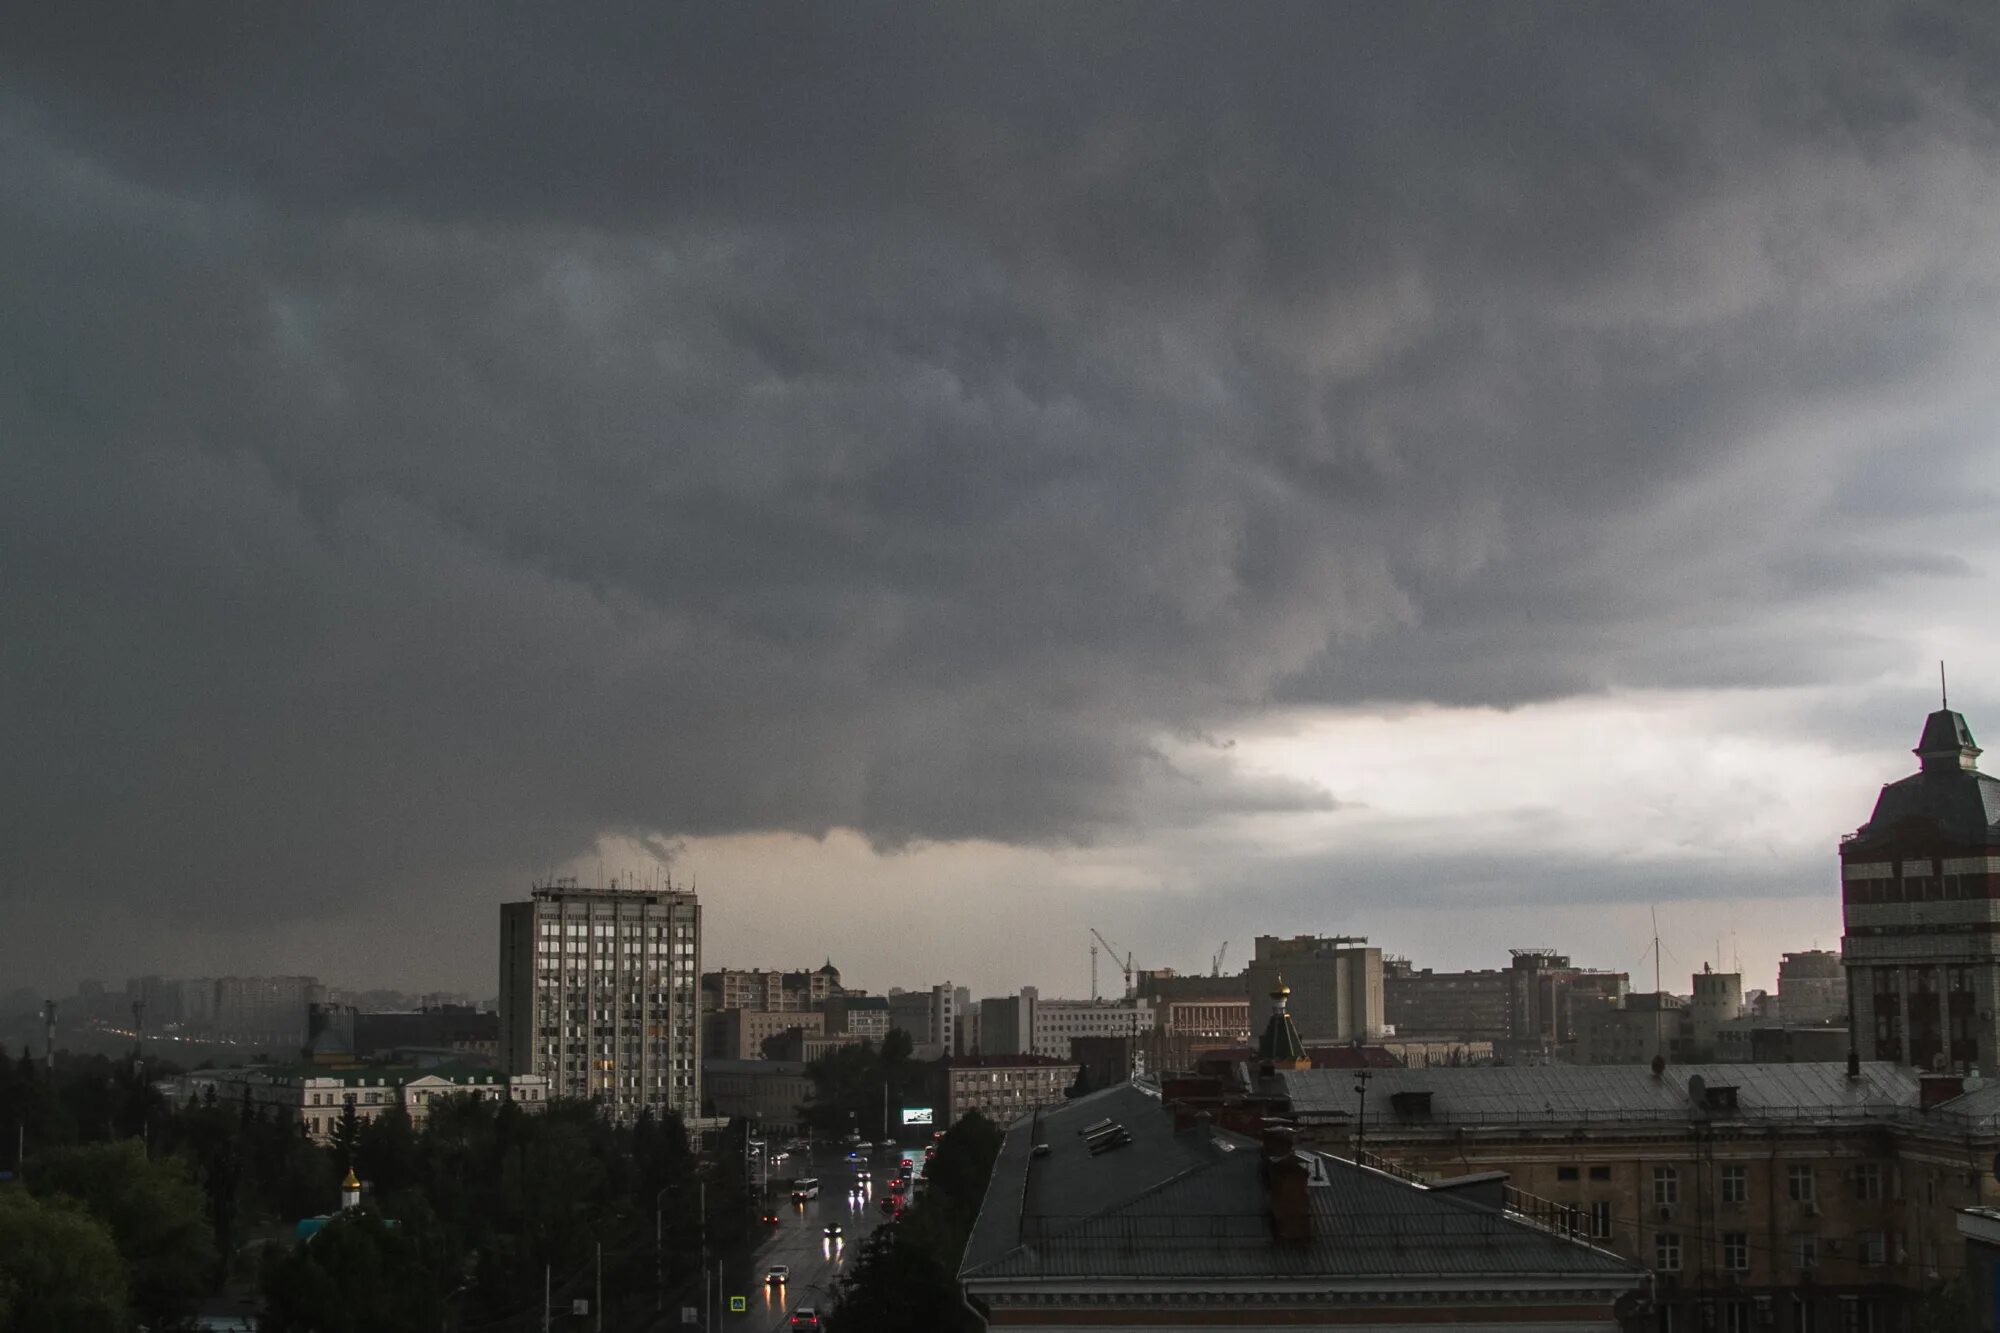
{"points": [[1736, 1184], [1868, 1182], [1799, 1184], [1666, 1186], [1600, 1220], [1805, 1252], [1736, 1251], [1667, 1252]]}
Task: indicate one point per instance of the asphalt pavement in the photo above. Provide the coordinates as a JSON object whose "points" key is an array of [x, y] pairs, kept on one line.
{"points": [[798, 1240]]}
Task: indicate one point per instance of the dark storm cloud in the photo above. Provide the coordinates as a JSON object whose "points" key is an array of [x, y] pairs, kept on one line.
{"points": [[434, 441]]}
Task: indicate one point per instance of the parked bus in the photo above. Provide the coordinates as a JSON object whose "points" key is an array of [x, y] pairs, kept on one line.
{"points": [[804, 1188]]}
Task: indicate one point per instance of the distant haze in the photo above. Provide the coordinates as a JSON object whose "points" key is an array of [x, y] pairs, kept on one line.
{"points": [[941, 478]]}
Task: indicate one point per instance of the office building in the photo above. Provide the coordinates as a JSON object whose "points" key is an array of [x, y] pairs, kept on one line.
{"points": [[1545, 991], [1336, 985], [930, 1017], [600, 994], [1003, 1088], [1919, 881], [1056, 1023], [1812, 988], [768, 1093], [1460, 1006]]}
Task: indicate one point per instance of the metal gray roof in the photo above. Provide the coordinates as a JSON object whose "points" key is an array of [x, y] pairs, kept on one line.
{"points": [[1192, 1206], [1568, 1094]]}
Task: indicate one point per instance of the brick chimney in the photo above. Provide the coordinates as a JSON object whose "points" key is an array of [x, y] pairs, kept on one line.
{"points": [[1285, 1184], [1935, 1088]]}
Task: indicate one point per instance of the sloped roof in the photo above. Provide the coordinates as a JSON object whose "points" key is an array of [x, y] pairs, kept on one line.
{"points": [[1193, 1206], [1515, 1094], [1948, 792]]}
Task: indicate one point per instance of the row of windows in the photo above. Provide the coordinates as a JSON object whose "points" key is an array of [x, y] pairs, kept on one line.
{"points": [[1872, 1249], [1733, 1183]]}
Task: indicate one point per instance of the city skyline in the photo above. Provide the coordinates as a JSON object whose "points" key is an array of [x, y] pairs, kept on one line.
{"points": [[1462, 477]]}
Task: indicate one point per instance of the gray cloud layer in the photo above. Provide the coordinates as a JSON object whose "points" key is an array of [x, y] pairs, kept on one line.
{"points": [[431, 442]]}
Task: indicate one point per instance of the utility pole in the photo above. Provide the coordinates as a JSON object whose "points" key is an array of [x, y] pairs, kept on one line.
{"points": [[597, 1306], [545, 1298], [49, 1026]]}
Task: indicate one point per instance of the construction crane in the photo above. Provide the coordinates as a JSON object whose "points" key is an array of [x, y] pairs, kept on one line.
{"points": [[1125, 964], [1215, 960]]}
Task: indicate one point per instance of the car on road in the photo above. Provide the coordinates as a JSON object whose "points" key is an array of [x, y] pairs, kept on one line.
{"points": [[777, 1275], [805, 1317], [833, 1231], [770, 1216]]}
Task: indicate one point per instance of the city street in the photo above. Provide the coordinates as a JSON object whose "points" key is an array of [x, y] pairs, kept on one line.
{"points": [[798, 1241]]}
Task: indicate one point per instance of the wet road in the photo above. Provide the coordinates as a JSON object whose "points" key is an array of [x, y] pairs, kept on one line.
{"points": [[798, 1240]]}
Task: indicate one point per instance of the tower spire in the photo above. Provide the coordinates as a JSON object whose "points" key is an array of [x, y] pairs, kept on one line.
{"points": [[1944, 699]]}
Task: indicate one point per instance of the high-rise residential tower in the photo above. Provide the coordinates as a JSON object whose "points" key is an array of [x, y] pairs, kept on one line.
{"points": [[600, 992], [1920, 895]]}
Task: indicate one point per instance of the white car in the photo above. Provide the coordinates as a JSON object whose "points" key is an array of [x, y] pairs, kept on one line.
{"points": [[777, 1275]]}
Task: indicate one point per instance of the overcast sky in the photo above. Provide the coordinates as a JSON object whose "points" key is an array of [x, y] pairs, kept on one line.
{"points": [[945, 477]]}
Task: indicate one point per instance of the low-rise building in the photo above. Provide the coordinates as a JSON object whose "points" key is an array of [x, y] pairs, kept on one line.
{"points": [[768, 1093], [740, 1034], [1109, 1213], [1003, 1088], [316, 1098], [1793, 1197]]}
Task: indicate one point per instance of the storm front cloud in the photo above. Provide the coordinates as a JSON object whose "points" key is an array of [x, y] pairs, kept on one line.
{"points": [[436, 443]]}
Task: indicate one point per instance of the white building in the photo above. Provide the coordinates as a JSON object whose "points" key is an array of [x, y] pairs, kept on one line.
{"points": [[315, 1097], [1055, 1022], [600, 993], [930, 1017]]}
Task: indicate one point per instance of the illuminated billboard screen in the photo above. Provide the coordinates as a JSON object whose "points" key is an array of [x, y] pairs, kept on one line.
{"points": [[916, 1115]]}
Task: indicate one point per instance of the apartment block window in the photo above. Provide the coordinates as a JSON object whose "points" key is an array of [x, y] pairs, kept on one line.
{"points": [[1871, 1248], [1666, 1186], [1799, 1184], [1868, 1181], [1858, 1315], [1565, 1173], [1600, 1173], [1667, 1252], [1736, 1251], [1805, 1315], [1600, 1220], [1736, 1184], [1736, 1317], [1805, 1251]]}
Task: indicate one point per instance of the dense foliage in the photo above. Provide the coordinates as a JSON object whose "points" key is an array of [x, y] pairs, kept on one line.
{"points": [[860, 1088], [129, 1211]]}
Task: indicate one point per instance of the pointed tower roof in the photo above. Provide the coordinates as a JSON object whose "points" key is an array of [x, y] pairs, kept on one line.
{"points": [[350, 1181], [1947, 743], [1280, 1047]]}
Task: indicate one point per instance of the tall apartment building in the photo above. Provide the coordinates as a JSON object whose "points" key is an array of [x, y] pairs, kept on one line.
{"points": [[1336, 985], [1468, 1006], [600, 992], [1919, 884], [1812, 988], [769, 992]]}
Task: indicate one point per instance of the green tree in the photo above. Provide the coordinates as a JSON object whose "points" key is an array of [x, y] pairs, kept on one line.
{"points": [[346, 1137], [356, 1275], [156, 1216], [59, 1268]]}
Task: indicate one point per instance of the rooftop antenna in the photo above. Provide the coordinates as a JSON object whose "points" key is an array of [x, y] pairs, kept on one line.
{"points": [[1944, 700]]}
